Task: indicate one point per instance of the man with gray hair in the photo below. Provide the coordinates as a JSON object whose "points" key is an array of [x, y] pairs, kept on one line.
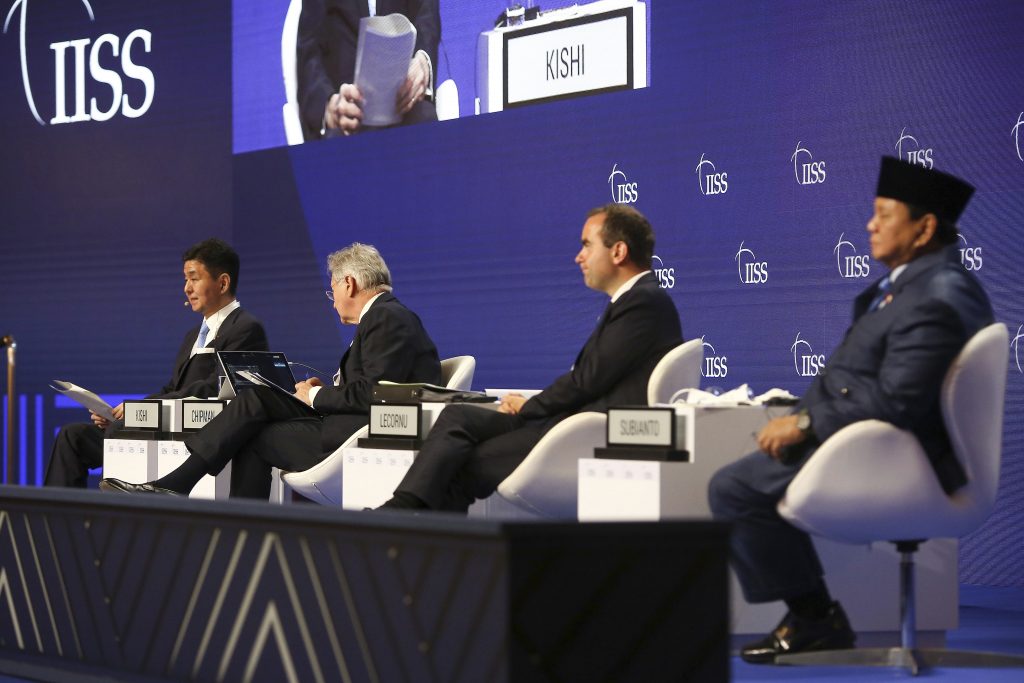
{"points": [[261, 428]]}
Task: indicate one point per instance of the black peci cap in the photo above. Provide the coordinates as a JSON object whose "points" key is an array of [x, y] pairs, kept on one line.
{"points": [[934, 191]]}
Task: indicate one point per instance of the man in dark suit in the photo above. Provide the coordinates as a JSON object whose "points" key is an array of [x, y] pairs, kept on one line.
{"points": [[262, 428], [329, 101], [472, 449], [907, 329], [211, 280]]}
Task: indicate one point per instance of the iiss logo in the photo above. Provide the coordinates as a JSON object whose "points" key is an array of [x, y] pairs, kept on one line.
{"points": [[848, 261], [106, 45], [1015, 132], [970, 256], [623, 191], [909, 149], [715, 366], [666, 276], [709, 180], [750, 270], [806, 170], [805, 361], [1015, 345]]}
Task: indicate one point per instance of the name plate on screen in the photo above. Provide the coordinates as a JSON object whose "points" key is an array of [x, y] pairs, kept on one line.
{"points": [[585, 55], [197, 414], [641, 427], [395, 420], [146, 415]]}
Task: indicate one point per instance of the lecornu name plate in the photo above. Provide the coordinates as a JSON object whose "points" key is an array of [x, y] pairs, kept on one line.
{"points": [[395, 420], [641, 427]]}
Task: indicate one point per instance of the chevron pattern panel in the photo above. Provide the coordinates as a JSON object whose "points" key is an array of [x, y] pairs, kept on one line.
{"points": [[158, 589]]}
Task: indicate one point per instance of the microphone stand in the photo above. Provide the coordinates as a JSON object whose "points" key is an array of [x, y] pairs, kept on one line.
{"points": [[7, 341]]}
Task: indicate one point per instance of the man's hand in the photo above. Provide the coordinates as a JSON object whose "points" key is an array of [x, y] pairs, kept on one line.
{"points": [[103, 422], [511, 404], [344, 110], [779, 433], [302, 389], [415, 87]]}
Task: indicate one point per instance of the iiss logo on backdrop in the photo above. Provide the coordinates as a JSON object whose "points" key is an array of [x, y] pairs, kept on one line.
{"points": [[715, 366], [74, 53], [806, 170], [709, 179], [806, 362], [1015, 132], [750, 270], [623, 191], [851, 265], [666, 276], [970, 256], [910, 150]]}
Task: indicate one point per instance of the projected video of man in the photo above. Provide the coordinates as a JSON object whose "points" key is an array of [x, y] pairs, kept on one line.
{"points": [[330, 102]]}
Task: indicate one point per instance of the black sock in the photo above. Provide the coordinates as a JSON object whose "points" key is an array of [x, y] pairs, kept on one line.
{"points": [[185, 477], [403, 500], [812, 605]]}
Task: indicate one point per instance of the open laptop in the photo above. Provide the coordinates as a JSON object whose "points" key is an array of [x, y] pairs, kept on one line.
{"points": [[271, 365]]}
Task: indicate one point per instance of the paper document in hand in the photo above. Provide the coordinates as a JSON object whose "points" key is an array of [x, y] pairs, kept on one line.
{"points": [[84, 397], [382, 64]]}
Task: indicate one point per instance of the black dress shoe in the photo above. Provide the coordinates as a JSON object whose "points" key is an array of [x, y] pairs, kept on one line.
{"points": [[799, 634], [119, 486]]}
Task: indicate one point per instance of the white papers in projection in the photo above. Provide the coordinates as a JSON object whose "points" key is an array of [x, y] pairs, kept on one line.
{"points": [[382, 63]]}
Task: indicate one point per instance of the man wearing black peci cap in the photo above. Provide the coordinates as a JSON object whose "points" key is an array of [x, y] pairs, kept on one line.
{"points": [[907, 329]]}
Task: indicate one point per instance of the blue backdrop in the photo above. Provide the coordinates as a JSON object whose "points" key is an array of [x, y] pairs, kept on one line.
{"points": [[479, 218]]}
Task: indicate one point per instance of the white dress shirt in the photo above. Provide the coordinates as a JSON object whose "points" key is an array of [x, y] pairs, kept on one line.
{"points": [[214, 322]]}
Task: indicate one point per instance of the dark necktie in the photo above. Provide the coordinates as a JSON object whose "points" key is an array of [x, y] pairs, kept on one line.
{"points": [[881, 296]]}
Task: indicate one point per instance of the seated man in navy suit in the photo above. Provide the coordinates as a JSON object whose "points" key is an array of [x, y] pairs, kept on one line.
{"points": [[211, 280], [907, 329], [262, 428], [472, 449]]}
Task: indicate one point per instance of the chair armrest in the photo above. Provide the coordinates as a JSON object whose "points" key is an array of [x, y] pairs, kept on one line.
{"points": [[545, 483], [868, 482]]}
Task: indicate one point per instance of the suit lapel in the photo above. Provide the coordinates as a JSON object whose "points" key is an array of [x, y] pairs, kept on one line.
{"points": [[184, 358], [217, 343]]}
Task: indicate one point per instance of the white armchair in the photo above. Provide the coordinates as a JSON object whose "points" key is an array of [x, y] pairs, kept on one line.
{"points": [[321, 483], [289, 43], [545, 483], [678, 369], [873, 482]]}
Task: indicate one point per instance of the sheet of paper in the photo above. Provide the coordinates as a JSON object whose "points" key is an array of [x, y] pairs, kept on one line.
{"points": [[741, 395], [382, 64], [84, 397]]}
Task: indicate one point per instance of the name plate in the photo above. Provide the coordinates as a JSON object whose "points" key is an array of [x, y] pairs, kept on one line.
{"points": [[585, 55], [642, 427], [145, 415], [197, 414], [395, 420]]}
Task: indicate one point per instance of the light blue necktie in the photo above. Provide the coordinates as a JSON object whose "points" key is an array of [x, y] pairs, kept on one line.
{"points": [[203, 331]]}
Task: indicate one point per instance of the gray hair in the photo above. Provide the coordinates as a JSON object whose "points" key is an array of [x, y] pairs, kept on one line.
{"points": [[364, 263]]}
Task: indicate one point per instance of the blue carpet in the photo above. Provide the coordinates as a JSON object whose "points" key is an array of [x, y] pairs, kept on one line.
{"points": [[991, 620]]}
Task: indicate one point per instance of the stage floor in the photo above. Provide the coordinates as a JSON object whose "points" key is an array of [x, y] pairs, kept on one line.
{"points": [[991, 619]]}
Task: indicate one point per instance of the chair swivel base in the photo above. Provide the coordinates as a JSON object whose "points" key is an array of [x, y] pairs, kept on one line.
{"points": [[900, 657]]}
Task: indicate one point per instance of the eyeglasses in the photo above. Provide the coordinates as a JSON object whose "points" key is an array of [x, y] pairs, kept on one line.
{"points": [[330, 295]]}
